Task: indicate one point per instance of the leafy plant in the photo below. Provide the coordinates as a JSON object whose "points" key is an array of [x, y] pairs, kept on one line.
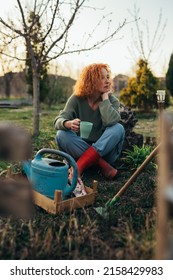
{"points": [[137, 156], [3, 167]]}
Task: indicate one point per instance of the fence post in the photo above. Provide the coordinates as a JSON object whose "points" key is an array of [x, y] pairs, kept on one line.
{"points": [[164, 171]]}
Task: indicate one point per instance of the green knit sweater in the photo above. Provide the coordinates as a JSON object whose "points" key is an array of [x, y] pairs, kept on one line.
{"points": [[105, 115]]}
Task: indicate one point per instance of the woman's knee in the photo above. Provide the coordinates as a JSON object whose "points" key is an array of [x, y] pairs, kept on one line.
{"points": [[70, 143], [59, 136], [118, 130], [63, 137], [121, 129]]}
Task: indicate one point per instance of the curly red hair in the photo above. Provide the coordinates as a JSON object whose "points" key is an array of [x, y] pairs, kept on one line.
{"points": [[89, 79]]}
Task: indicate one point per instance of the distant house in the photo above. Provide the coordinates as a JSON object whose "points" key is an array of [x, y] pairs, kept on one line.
{"points": [[119, 82], [13, 84]]}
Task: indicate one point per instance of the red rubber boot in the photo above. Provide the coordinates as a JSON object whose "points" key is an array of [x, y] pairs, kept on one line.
{"points": [[107, 170], [88, 158]]}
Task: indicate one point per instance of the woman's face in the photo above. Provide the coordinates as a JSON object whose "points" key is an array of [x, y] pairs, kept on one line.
{"points": [[104, 84]]}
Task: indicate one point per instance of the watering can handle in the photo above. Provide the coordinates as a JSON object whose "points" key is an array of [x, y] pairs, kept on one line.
{"points": [[69, 159]]}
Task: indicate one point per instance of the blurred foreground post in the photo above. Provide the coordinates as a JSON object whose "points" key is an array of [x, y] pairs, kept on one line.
{"points": [[15, 142], [163, 179], [164, 172], [15, 190]]}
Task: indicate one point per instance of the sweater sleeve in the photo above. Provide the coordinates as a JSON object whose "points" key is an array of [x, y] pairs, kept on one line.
{"points": [[68, 113], [109, 111]]}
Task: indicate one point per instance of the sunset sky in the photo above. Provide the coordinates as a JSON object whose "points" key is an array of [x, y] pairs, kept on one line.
{"points": [[116, 53]]}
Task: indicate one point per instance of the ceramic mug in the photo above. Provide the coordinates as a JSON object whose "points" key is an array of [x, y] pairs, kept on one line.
{"points": [[85, 129]]}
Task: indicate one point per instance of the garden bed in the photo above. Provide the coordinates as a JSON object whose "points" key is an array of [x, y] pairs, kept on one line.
{"points": [[127, 233]]}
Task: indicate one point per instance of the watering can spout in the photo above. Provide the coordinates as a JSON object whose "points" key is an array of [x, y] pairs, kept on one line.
{"points": [[27, 168]]}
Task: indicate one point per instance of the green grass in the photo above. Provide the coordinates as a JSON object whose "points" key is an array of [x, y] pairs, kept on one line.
{"points": [[148, 123], [128, 232], [24, 117]]}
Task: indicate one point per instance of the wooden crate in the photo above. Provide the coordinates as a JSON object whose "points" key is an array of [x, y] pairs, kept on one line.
{"points": [[57, 205]]}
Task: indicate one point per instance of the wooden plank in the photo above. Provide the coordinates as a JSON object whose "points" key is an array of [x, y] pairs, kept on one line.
{"points": [[57, 196], [77, 202], [44, 202]]}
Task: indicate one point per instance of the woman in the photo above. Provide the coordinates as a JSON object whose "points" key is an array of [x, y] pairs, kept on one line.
{"points": [[92, 101]]}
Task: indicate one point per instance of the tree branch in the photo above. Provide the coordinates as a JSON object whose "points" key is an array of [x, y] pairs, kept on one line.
{"points": [[52, 22], [11, 27], [77, 7], [139, 43], [23, 17], [11, 56], [97, 45]]}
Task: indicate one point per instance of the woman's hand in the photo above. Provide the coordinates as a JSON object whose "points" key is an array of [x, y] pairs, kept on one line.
{"points": [[74, 125], [105, 95]]}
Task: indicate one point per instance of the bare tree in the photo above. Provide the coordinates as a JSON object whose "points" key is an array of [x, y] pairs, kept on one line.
{"points": [[144, 44], [57, 17]]}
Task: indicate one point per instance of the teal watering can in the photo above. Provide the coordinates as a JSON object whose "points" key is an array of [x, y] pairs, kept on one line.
{"points": [[48, 175]]}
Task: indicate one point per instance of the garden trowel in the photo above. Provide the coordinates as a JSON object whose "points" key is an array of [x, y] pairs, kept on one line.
{"points": [[104, 211]]}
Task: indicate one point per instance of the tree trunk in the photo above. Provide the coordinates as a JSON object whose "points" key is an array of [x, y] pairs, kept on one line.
{"points": [[7, 79], [7, 88], [36, 102]]}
